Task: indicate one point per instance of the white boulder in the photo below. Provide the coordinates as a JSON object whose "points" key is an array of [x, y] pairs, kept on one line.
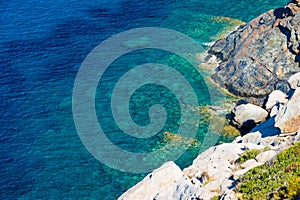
{"points": [[265, 156], [294, 81], [246, 113], [166, 182], [274, 98], [288, 118]]}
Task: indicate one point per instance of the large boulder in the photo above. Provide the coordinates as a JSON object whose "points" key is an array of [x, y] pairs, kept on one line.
{"points": [[294, 81], [265, 156], [166, 182], [252, 138], [246, 116], [261, 55], [288, 118], [276, 97]]}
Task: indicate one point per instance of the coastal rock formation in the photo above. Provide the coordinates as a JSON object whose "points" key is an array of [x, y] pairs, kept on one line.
{"points": [[275, 98], [258, 60], [213, 173], [218, 170], [294, 81], [166, 182], [288, 118], [260, 56], [248, 115]]}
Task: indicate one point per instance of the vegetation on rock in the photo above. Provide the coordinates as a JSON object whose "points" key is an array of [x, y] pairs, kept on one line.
{"points": [[279, 179], [248, 155]]}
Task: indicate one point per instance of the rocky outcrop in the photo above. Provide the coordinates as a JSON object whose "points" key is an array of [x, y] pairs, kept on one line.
{"points": [[216, 171], [166, 182], [259, 61], [294, 81], [288, 118], [260, 56], [213, 173], [246, 116], [275, 98]]}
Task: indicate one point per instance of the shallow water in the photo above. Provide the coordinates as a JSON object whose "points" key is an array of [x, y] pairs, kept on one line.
{"points": [[42, 47]]}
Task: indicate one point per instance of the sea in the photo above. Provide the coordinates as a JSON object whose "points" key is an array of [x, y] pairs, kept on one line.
{"points": [[43, 45]]}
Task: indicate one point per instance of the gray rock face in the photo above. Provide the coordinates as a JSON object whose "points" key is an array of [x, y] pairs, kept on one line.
{"points": [[265, 156], [213, 169], [261, 55], [213, 172], [256, 58], [166, 182], [247, 115], [253, 138], [294, 81], [288, 118], [250, 164], [276, 97]]}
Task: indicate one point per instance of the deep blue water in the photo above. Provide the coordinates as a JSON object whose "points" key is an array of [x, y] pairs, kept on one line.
{"points": [[42, 46]]}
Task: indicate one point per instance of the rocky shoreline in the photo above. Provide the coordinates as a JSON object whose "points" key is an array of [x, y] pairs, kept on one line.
{"points": [[259, 62], [259, 57], [216, 171]]}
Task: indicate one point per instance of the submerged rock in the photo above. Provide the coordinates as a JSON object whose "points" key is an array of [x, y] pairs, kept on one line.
{"points": [[180, 140], [261, 55]]}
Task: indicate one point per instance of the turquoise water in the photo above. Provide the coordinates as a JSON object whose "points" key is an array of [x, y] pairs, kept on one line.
{"points": [[42, 47]]}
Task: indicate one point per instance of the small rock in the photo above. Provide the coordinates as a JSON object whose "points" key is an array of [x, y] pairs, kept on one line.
{"points": [[297, 136], [247, 115], [294, 81], [265, 156], [269, 141], [274, 98], [250, 164], [254, 138], [240, 173], [227, 185], [250, 146], [215, 185]]}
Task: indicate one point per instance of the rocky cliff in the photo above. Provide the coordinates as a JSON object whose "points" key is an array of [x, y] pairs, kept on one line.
{"points": [[259, 61], [260, 56], [217, 172]]}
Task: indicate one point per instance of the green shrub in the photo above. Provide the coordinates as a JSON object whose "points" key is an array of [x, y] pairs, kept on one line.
{"points": [[267, 148], [279, 179], [217, 197], [248, 155]]}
